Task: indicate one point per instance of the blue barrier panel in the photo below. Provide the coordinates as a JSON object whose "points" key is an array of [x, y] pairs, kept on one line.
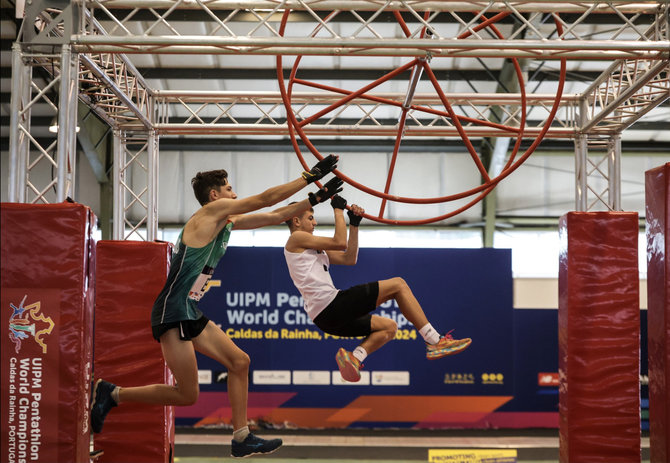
{"points": [[294, 378]]}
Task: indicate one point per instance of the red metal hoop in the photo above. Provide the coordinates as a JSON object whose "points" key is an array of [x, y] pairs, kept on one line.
{"points": [[418, 65]]}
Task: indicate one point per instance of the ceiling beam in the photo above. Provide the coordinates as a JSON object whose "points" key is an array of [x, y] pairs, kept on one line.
{"points": [[213, 144], [194, 73], [199, 15]]}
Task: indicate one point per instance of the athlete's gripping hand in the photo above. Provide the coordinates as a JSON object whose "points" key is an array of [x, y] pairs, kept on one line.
{"points": [[321, 168], [338, 202], [355, 215], [331, 188]]}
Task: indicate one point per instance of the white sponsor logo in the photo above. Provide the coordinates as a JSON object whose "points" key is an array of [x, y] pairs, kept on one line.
{"points": [[311, 377], [272, 377], [390, 378], [204, 376]]}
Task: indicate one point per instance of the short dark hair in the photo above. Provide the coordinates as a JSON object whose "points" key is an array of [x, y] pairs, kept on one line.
{"points": [[204, 182], [289, 221]]}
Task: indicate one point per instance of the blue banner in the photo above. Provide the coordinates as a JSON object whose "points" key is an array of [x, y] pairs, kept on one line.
{"points": [[294, 377]]}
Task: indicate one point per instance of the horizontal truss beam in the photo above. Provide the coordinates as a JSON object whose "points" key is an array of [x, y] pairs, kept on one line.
{"points": [[536, 49], [374, 5]]}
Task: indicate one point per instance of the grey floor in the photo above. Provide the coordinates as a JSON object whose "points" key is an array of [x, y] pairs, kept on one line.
{"points": [[373, 446]]}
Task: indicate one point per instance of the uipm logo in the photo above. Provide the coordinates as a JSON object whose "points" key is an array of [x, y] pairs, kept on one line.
{"points": [[23, 324]]}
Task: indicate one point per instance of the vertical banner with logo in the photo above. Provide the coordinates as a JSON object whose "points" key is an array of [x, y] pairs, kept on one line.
{"points": [[30, 358], [46, 328], [294, 377]]}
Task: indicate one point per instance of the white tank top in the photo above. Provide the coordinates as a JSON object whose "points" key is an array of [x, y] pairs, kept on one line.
{"points": [[309, 272]]}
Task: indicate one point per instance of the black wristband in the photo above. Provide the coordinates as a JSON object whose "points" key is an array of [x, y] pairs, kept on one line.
{"points": [[313, 200]]}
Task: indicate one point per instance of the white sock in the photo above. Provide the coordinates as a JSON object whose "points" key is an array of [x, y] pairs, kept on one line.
{"points": [[360, 354], [115, 394], [429, 334], [241, 434]]}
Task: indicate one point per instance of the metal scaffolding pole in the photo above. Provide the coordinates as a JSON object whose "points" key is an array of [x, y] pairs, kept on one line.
{"points": [[18, 142], [580, 173], [67, 125], [118, 176], [152, 186], [614, 172]]}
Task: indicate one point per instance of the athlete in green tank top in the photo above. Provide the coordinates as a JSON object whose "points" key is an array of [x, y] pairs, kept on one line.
{"points": [[178, 324], [186, 283]]}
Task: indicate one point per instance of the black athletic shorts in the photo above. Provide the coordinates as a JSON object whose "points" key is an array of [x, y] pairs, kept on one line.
{"points": [[188, 329], [349, 313]]}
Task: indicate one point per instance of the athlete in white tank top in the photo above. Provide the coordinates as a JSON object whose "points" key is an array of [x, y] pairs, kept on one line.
{"points": [[309, 271], [309, 257]]}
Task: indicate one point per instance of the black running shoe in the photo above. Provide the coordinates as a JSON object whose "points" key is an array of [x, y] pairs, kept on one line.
{"points": [[254, 445], [102, 403]]}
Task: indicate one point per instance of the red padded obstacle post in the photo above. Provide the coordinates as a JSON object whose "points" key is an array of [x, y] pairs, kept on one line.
{"points": [[599, 338], [658, 309], [47, 316], [129, 276]]}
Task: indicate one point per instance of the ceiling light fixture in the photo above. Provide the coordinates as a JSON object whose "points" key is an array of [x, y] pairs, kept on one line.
{"points": [[53, 127]]}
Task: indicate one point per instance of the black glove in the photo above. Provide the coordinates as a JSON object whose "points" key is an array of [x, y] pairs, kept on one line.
{"points": [[331, 188], [321, 168], [354, 220], [338, 202]]}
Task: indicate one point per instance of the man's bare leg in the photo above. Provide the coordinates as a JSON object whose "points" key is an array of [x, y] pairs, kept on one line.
{"points": [[216, 344], [383, 330], [180, 358], [396, 288]]}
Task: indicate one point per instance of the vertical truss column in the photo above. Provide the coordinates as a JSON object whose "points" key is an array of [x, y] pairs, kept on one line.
{"points": [[597, 173], [19, 117], [135, 185], [43, 169]]}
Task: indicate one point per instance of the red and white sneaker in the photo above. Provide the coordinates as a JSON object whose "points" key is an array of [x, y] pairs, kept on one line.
{"points": [[349, 365], [447, 345]]}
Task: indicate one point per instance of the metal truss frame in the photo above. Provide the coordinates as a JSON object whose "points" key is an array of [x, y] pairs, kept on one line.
{"points": [[261, 35], [597, 173], [90, 39], [135, 159], [27, 154]]}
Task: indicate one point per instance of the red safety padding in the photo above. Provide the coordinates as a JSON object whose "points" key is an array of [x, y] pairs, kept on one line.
{"points": [[658, 309], [129, 276], [599, 338], [46, 331]]}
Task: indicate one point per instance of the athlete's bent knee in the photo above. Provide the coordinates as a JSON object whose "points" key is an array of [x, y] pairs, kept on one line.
{"points": [[390, 330], [398, 285], [240, 363], [402, 284]]}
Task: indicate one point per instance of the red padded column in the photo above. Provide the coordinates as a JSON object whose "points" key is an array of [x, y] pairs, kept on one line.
{"points": [[46, 331], [658, 305], [129, 276], [598, 333]]}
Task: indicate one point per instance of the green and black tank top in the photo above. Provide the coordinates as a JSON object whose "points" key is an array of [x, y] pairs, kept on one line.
{"points": [[190, 271]]}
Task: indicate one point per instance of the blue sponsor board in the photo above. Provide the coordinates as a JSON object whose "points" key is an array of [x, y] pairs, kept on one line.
{"points": [[253, 299]]}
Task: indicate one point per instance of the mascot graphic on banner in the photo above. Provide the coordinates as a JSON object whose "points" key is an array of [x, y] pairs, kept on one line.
{"points": [[24, 323]]}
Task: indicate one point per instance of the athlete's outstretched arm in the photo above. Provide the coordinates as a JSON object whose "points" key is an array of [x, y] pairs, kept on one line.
{"points": [[275, 217], [222, 208], [281, 214]]}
